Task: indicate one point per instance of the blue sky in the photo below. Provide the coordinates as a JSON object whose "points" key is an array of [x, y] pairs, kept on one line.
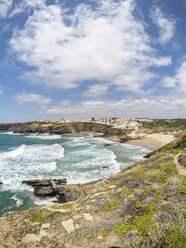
{"points": [[78, 59]]}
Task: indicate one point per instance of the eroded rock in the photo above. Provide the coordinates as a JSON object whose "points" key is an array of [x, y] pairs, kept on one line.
{"points": [[68, 225], [44, 187], [31, 238], [44, 191]]}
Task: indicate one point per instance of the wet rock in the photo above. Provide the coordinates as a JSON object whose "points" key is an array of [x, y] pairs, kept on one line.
{"points": [[45, 182], [105, 167], [59, 181], [34, 183], [1, 183], [108, 144], [44, 187], [124, 138], [44, 191]]}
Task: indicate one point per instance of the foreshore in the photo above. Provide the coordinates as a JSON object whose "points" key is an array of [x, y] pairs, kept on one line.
{"points": [[152, 141]]}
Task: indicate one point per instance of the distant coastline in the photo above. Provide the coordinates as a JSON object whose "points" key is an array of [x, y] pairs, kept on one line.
{"points": [[138, 137]]}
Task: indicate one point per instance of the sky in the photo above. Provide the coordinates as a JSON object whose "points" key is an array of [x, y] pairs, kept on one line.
{"points": [[102, 58]]}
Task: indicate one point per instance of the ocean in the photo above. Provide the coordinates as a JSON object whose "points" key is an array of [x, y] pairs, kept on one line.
{"points": [[78, 158]]}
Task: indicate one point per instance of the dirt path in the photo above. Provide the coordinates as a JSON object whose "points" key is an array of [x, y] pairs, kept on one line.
{"points": [[181, 169]]}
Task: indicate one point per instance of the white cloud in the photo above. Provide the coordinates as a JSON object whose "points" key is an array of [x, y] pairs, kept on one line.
{"points": [[181, 77], [166, 26], [169, 82], [154, 107], [96, 90], [107, 44], [178, 81], [32, 98], [26, 6], [5, 6]]}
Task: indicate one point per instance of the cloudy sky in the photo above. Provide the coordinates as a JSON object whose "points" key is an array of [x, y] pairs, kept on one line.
{"points": [[84, 58]]}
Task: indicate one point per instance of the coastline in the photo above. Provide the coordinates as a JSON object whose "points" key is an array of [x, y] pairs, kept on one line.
{"points": [[142, 192], [152, 141]]}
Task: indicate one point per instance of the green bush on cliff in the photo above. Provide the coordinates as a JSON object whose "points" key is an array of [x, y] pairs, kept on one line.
{"points": [[165, 125]]}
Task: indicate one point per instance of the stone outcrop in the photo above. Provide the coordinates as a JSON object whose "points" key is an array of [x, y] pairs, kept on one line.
{"points": [[58, 187], [45, 187]]}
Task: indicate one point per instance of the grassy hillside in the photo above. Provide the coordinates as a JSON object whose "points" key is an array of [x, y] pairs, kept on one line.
{"points": [[165, 125], [142, 206]]}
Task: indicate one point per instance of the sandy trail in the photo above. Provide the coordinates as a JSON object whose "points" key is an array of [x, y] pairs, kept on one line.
{"points": [[181, 169]]}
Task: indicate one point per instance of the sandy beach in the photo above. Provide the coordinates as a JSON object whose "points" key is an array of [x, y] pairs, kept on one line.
{"points": [[152, 141]]}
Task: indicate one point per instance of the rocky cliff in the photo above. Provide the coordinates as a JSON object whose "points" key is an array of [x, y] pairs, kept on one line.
{"points": [[62, 128]]}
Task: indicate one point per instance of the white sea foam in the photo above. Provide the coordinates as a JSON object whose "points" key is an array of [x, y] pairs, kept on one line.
{"points": [[100, 140], [19, 202], [14, 153], [9, 132], [76, 142], [90, 168], [28, 162], [45, 136], [47, 201]]}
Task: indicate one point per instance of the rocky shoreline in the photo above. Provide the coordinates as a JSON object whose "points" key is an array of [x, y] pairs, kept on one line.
{"points": [[46, 188], [96, 129], [141, 206]]}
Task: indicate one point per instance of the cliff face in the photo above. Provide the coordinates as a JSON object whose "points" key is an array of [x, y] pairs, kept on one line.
{"points": [[62, 128], [142, 206]]}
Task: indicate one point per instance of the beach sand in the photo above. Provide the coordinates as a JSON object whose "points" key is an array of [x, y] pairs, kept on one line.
{"points": [[152, 141]]}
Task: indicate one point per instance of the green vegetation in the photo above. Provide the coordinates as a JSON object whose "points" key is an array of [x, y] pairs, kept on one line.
{"points": [[58, 215], [38, 216], [165, 125], [110, 206], [182, 158], [68, 206], [140, 223]]}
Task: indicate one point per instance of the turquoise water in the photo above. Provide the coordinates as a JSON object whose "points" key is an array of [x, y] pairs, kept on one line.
{"points": [[75, 157]]}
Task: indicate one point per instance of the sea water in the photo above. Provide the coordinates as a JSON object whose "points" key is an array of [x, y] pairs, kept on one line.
{"points": [[78, 158]]}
